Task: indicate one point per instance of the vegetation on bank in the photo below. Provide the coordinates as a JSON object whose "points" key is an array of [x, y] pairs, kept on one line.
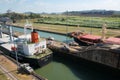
{"points": [[64, 23], [97, 22], [68, 19], [66, 29]]}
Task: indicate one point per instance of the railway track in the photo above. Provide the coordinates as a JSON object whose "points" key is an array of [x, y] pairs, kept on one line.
{"points": [[9, 75]]}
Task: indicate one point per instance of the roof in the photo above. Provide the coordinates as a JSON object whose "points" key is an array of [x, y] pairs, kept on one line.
{"points": [[92, 37], [112, 40]]}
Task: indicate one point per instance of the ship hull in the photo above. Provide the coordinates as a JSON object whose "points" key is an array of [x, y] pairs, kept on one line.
{"points": [[85, 39], [34, 62], [81, 42]]}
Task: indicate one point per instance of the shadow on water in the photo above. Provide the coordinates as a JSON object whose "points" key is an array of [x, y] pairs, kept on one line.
{"points": [[85, 70]]}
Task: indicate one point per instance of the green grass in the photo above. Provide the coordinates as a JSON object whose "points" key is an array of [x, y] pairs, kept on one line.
{"points": [[89, 24], [112, 22]]}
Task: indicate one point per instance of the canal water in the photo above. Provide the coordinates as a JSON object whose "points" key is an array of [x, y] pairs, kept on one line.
{"points": [[66, 69], [46, 34]]}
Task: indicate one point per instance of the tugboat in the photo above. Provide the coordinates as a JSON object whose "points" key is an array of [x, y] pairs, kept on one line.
{"points": [[32, 50]]}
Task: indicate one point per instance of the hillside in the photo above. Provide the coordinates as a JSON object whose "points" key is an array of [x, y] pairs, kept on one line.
{"points": [[93, 13]]}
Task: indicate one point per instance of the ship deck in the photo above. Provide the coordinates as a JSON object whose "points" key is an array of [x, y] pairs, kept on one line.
{"points": [[5, 42], [28, 36], [40, 55], [65, 46], [5, 39]]}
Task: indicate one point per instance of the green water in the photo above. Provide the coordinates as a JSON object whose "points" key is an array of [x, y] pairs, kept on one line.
{"points": [[65, 69], [57, 71]]}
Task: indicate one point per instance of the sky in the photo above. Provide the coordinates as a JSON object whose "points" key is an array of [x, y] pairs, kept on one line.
{"points": [[50, 6]]}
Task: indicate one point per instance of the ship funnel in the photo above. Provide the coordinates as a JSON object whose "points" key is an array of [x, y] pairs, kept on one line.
{"points": [[34, 36]]}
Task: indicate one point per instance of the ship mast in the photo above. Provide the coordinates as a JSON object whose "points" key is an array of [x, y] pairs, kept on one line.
{"points": [[11, 33], [27, 25]]}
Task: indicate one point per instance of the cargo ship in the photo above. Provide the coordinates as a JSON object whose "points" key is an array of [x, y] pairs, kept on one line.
{"points": [[28, 48], [85, 39], [90, 39]]}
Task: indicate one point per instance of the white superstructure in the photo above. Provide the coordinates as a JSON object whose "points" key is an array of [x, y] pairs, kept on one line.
{"points": [[31, 48]]}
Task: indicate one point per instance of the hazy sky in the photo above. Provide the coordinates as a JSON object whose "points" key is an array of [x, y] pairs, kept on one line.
{"points": [[57, 5]]}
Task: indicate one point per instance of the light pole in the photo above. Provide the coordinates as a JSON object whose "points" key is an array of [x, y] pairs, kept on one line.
{"points": [[12, 41], [66, 33], [15, 52], [11, 33], [91, 26], [0, 31], [66, 27]]}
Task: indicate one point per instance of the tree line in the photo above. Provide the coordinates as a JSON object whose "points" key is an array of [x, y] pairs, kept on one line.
{"points": [[19, 16], [98, 13]]}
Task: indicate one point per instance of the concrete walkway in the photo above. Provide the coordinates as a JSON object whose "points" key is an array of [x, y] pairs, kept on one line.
{"points": [[10, 70]]}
